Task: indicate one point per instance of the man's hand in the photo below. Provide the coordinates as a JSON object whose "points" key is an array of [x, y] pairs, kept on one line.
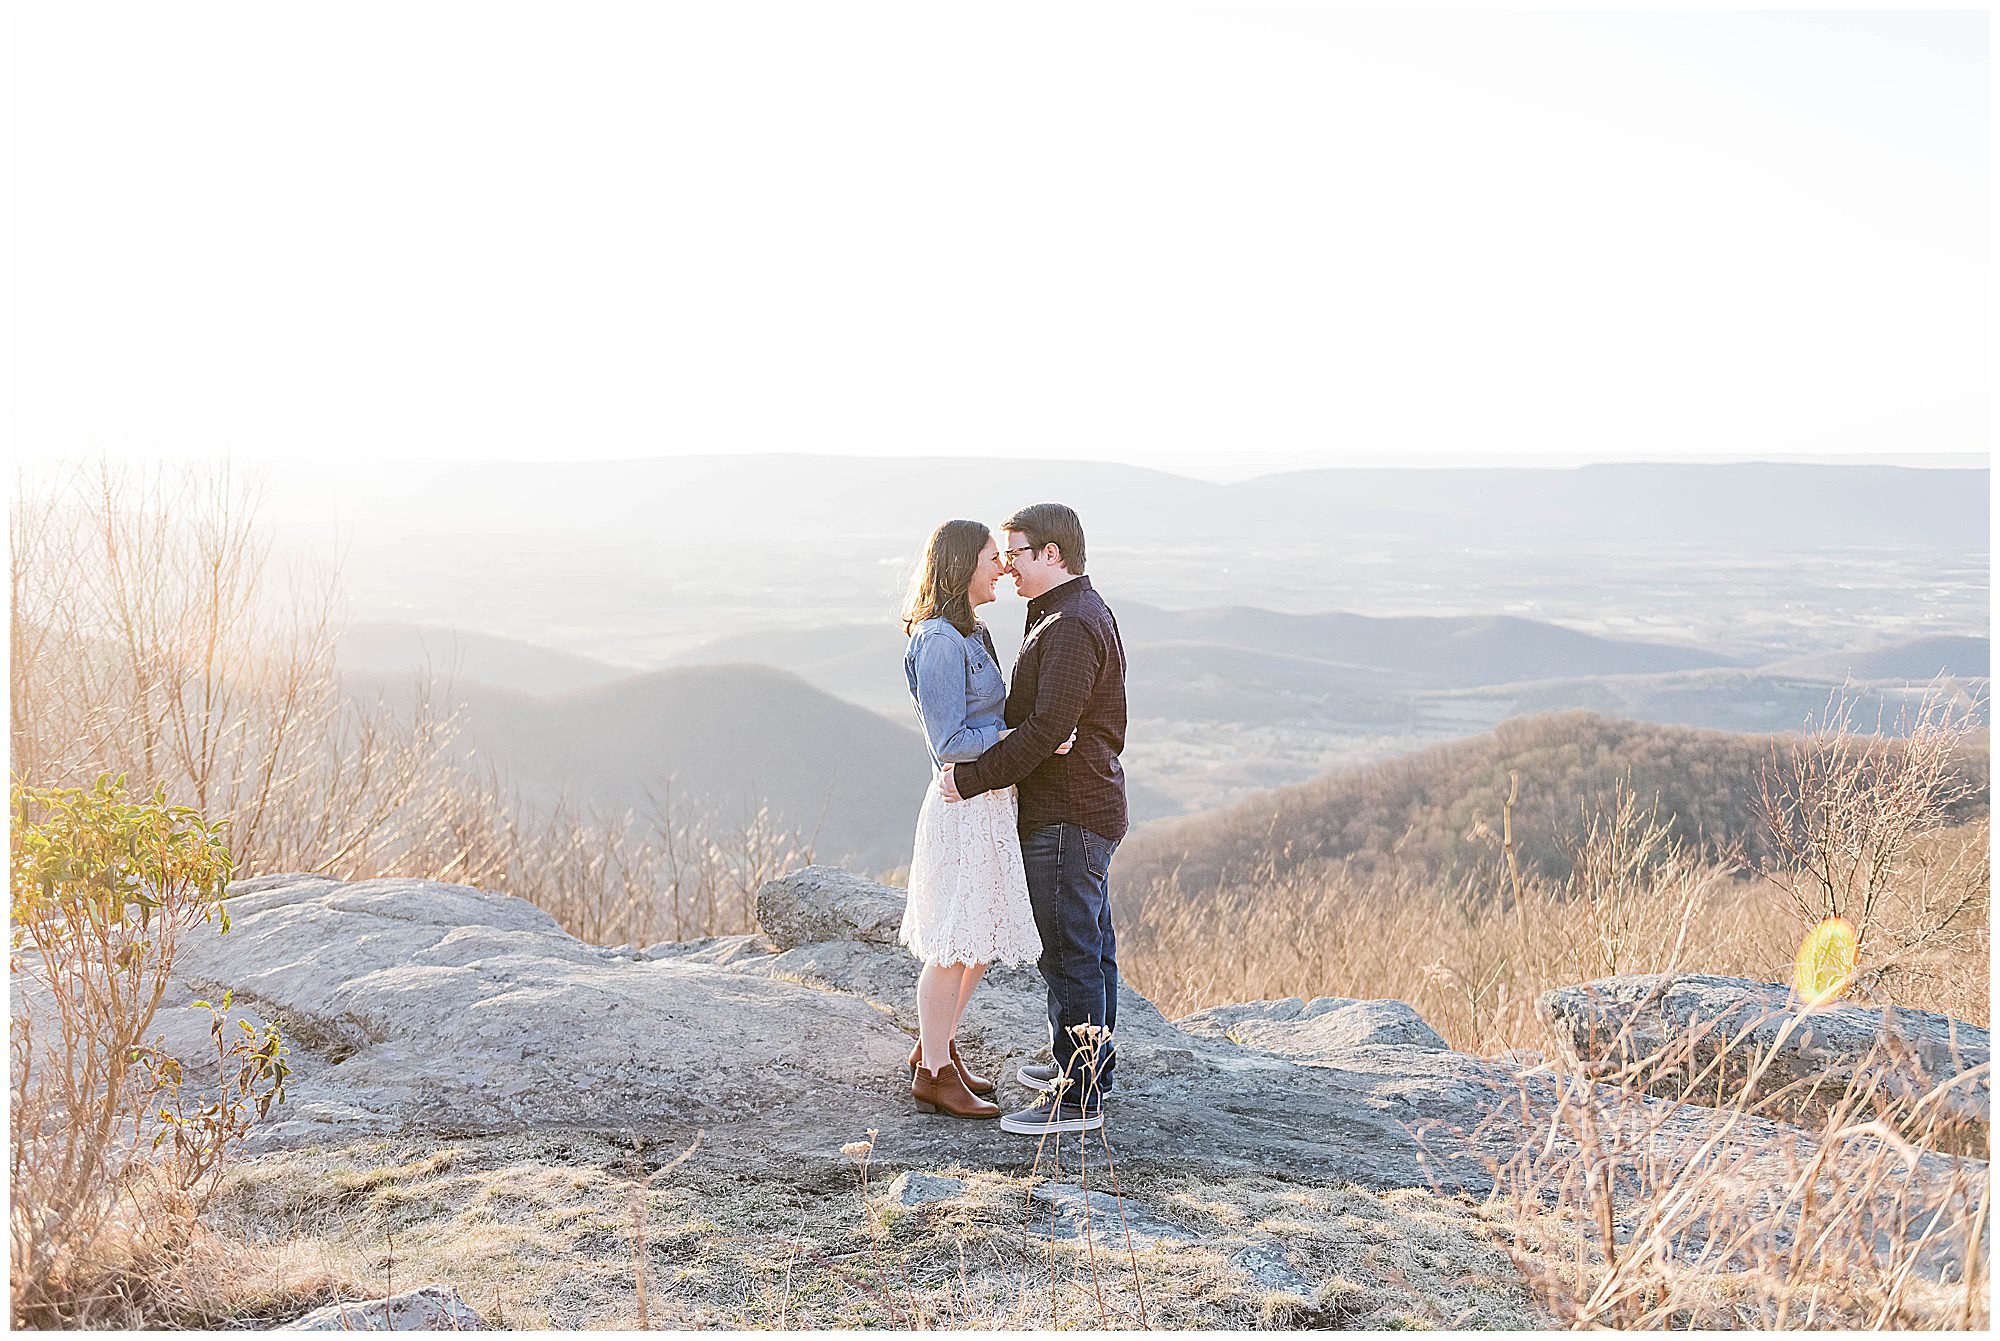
{"points": [[947, 780]]}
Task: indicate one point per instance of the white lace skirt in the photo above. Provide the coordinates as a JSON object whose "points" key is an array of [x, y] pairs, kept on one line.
{"points": [[968, 899]]}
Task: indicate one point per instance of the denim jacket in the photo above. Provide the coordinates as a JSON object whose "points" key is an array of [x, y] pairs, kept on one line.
{"points": [[960, 694]]}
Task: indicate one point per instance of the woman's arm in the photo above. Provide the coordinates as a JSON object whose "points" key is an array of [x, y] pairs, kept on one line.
{"points": [[940, 666]]}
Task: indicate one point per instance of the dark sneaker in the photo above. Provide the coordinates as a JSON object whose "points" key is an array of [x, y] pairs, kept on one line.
{"points": [[1041, 1076], [1038, 1075], [1046, 1117]]}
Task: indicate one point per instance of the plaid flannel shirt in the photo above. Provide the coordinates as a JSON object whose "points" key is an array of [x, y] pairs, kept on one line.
{"points": [[1070, 676]]}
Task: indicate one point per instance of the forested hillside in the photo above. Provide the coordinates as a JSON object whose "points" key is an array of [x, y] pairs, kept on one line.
{"points": [[1438, 812]]}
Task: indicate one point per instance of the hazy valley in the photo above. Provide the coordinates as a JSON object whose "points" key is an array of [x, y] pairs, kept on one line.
{"points": [[1277, 628]]}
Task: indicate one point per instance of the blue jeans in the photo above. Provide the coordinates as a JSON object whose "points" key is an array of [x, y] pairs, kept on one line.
{"points": [[1069, 870]]}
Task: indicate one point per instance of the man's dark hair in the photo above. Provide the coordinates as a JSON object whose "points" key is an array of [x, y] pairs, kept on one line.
{"points": [[1051, 524]]}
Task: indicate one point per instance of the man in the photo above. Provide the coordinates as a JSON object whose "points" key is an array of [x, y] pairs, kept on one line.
{"points": [[1070, 676]]}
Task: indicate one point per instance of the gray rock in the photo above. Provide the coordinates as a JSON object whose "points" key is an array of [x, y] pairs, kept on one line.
{"points": [[1316, 1030], [433, 1308], [1111, 1219], [1930, 1074], [912, 1188], [1112, 1222], [453, 1009], [1266, 1264], [1217, 1021], [710, 949], [1008, 1013], [825, 903], [411, 1005], [304, 1124], [256, 884]]}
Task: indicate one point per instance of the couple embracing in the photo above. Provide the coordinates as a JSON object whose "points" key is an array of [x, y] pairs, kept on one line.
{"points": [[1014, 840]]}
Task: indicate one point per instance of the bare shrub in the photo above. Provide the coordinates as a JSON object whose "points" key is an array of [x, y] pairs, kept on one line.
{"points": [[1472, 957], [154, 638], [676, 870], [1632, 1211], [1853, 820]]}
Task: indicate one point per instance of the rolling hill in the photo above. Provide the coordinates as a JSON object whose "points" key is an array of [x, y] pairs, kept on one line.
{"points": [[1421, 811], [1426, 650], [1183, 662], [1723, 699], [1912, 660], [505, 663], [1209, 684], [732, 737]]}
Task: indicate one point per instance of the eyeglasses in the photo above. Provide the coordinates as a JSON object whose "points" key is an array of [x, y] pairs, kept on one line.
{"points": [[1008, 557]]}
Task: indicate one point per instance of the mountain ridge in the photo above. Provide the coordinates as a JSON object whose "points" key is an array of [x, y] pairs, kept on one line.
{"points": [[1760, 505]]}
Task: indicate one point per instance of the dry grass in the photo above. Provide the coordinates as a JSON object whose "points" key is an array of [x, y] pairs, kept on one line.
{"points": [[1474, 956], [537, 1232], [1639, 1212], [1473, 967]]}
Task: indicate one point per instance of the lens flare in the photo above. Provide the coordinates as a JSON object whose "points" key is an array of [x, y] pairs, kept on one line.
{"points": [[1825, 967]]}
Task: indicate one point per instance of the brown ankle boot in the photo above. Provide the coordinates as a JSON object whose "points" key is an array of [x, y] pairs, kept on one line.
{"points": [[978, 1084], [945, 1093]]}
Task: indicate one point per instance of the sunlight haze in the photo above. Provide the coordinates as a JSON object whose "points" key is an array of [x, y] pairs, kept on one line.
{"points": [[1217, 244]]}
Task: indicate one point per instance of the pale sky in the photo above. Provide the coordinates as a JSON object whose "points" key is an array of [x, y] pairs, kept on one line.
{"points": [[1210, 242]]}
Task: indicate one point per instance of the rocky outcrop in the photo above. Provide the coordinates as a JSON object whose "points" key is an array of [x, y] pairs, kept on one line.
{"points": [[418, 1007], [1318, 1031], [1707, 1038], [412, 1005], [432, 1308], [825, 903]]}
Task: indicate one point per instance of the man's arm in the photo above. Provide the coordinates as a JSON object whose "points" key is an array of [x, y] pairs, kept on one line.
{"points": [[1070, 661]]}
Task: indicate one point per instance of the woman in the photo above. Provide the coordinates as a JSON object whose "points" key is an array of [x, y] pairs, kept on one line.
{"points": [[968, 902]]}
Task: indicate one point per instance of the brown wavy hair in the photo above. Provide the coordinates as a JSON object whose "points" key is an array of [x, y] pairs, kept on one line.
{"points": [[944, 573]]}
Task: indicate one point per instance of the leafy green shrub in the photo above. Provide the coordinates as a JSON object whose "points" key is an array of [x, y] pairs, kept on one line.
{"points": [[202, 1122], [104, 886]]}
